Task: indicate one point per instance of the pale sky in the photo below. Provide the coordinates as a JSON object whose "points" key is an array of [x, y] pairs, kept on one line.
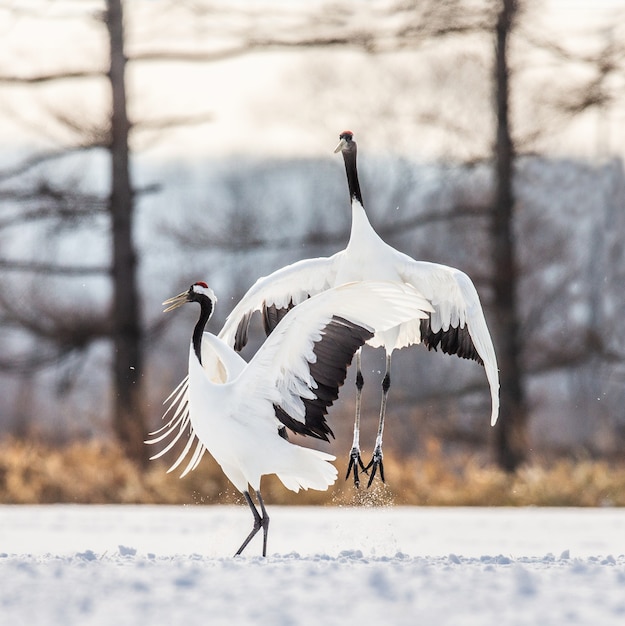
{"points": [[278, 103]]}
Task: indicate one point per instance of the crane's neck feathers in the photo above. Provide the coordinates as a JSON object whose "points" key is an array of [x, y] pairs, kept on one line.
{"points": [[204, 296], [349, 156]]}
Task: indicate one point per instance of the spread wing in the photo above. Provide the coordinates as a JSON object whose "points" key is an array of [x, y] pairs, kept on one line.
{"points": [[275, 294], [303, 363], [296, 374], [457, 324]]}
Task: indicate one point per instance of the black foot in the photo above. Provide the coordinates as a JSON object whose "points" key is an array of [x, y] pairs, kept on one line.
{"points": [[375, 464], [259, 522], [355, 462]]}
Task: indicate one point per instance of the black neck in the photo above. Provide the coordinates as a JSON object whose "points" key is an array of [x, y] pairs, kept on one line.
{"points": [[349, 156], [205, 313]]}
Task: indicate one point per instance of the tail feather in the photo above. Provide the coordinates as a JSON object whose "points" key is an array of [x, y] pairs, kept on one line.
{"points": [[308, 469]]}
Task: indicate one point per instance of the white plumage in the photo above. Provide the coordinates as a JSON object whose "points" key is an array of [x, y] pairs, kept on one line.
{"points": [[238, 411], [456, 324]]}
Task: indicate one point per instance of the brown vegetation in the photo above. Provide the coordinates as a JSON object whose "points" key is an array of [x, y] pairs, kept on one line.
{"points": [[97, 472]]}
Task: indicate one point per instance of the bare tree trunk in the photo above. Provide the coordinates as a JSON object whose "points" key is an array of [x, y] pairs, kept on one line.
{"points": [[128, 420], [511, 432]]}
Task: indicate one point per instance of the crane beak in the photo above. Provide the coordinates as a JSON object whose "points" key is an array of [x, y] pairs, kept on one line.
{"points": [[176, 301], [340, 146]]}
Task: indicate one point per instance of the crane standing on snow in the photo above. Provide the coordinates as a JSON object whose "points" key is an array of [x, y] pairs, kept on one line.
{"points": [[238, 411]]}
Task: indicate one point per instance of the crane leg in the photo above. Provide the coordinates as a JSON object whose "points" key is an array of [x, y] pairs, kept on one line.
{"points": [[264, 522], [376, 461], [355, 462], [259, 522]]}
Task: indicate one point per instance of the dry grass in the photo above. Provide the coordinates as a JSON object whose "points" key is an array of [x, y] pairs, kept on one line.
{"points": [[96, 472]]}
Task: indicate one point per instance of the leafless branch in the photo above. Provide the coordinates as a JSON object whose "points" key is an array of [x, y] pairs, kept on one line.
{"points": [[33, 361], [616, 53], [88, 132], [228, 243], [50, 78], [52, 269], [35, 160], [188, 56], [172, 122], [81, 207], [369, 40], [58, 333]]}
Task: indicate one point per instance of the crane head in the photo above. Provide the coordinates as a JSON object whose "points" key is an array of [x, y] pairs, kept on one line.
{"points": [[345, 141], [195, 293]]}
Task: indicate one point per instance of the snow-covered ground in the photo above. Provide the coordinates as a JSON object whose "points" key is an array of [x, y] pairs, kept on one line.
{"points": [[153, 565]]}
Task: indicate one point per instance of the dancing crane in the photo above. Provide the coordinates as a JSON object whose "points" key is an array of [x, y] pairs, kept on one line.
{"points": [[456, 325], [240, 411]]}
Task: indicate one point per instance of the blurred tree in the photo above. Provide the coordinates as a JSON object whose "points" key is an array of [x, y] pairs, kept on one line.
{"points": [[63, 330], [67, 332], [129, 418], [511, 430], [375, 27], [422, 22]]}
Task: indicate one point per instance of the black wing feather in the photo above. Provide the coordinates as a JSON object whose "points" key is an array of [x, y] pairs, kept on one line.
{"points": [[272, 316], [334, 353], [240, 337], [451, 341]]}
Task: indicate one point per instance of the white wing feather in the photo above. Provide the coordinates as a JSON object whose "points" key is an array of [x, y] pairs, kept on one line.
{"points": [[293, 283], [456, 304], [219, 363], [280, 371]]}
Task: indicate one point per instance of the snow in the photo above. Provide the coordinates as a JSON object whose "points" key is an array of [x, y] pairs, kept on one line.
{"points": [[97, 565]]}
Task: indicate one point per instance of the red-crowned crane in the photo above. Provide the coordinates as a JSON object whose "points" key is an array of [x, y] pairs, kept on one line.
{"points": [[240, 411], [456, 325]]}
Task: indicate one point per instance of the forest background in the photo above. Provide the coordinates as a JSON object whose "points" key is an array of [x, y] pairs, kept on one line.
{"points": [[147, 144]]}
